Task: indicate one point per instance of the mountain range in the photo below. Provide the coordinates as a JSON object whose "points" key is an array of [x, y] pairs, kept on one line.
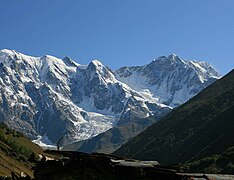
{"points": [[49, 98], [170, 81]]}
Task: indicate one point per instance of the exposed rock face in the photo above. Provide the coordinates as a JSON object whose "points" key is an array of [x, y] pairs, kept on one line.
{"points": [[47, 98]]}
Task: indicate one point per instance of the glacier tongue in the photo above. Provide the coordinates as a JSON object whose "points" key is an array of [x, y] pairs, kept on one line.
{"points": [[44, 142], [48, 98]]}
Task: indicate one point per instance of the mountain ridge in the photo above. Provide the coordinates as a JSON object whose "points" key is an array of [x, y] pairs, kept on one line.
{"points": [[53, 98], [172, 68]]}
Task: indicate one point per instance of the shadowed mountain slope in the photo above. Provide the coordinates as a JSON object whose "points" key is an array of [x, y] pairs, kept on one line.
{"points": [[202, 127]]}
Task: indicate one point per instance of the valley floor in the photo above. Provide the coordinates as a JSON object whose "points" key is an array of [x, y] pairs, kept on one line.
{"points": [[75, 165]]}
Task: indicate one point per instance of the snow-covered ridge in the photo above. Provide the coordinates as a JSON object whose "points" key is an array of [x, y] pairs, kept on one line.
{"points": [[169, 80], [53, 98]]}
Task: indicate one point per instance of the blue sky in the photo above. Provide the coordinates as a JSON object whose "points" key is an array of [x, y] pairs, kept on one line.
{"points": [[121, 32]]}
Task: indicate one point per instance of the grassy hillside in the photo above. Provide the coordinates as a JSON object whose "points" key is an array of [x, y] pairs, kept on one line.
{"points": [[202, 127], [15, 152]]}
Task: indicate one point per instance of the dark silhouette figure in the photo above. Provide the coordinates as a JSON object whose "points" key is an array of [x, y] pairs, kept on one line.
{"points": [[59, 142]]}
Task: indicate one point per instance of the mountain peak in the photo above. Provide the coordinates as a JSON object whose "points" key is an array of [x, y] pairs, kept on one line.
{"points": [[7, 55], [173, 57], [183, 79], [97, 63], [8, 52], [97, 69], [69, 62], [169, 58], [168, 61]]}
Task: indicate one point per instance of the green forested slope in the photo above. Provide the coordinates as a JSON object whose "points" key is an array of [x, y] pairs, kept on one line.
{"points": [[15, 152], [202, 127]]}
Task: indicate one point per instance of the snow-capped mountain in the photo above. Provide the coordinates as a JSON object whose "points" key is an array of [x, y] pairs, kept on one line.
{"points": [[47, 98], [168, 80]]}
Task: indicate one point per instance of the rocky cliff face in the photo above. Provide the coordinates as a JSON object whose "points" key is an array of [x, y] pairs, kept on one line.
{"points": [[48, 98]]}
